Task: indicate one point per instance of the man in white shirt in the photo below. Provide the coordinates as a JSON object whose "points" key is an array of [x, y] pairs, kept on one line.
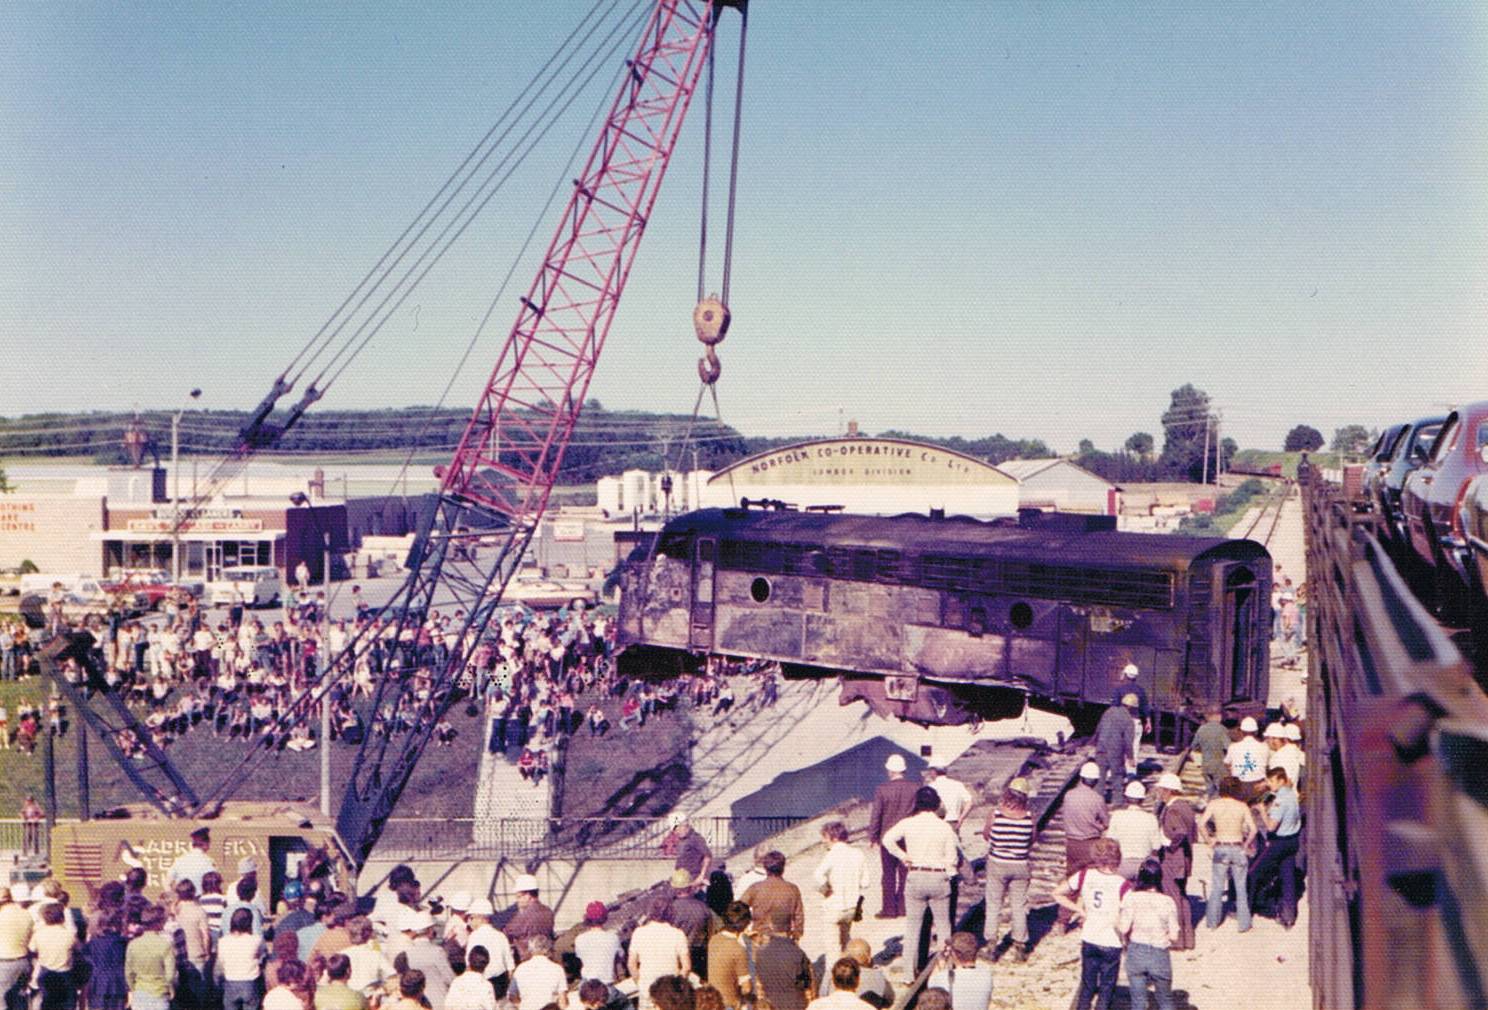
{"points": [[598, 949], [1284, 754], [955, 798], [539, 980], [842, 877], [657, 948], [928, 848], [844, 995], [483, 934], [1135, 830], [471, 990], [1246, 759], [195, 864]]}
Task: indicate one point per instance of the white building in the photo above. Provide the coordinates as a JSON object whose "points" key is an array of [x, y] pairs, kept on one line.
{"points": [[1061, 485], [873, 476]]}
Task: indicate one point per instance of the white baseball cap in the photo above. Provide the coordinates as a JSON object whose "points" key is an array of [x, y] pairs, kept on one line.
{"points": [[459, 901], [1167, 780], [1248, 725], [1274, 729], [1292, 731], [525, 882], [414, 920], [1130, 670], [895, 763], [1090, 770], [482, 906], [1136, 791]]}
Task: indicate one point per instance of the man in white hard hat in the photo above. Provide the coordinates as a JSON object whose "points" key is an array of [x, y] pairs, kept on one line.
{"points": [[533, 918], [417, 927], [1135, 829], [1246, 760], [457, 926], [1086, 818], [1141, 718], [1285, 754], [498, 947], [893, 801], [1178, 821]]}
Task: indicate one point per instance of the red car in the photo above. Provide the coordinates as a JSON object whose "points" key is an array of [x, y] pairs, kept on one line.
{"points": [[149, 587], [1431, 503]]}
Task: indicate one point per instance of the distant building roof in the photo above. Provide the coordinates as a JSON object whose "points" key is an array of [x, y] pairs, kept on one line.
{"points": [[1023, 469]]}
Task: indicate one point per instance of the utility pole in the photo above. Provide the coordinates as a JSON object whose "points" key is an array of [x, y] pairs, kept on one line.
{"points": [[1207, 419], [1218, 455], [176, 485], [325, 700]]}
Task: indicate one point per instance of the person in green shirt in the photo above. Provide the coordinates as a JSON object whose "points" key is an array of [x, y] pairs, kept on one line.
{"points": [[337, 995], [1210, 743], [150, 964]]}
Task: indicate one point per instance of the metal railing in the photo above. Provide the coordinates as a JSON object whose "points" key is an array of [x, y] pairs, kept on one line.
{"points": [[566, 837], [1397, 807]]}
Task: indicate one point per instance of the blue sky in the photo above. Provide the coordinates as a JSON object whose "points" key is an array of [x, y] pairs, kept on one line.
{"points": [[954, 218]]}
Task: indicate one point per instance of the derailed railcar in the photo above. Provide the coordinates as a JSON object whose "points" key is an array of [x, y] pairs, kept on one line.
{"points": [[947, 620]]}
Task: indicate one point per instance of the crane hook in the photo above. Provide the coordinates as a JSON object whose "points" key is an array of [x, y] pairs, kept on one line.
{"points": [[710, 321]]}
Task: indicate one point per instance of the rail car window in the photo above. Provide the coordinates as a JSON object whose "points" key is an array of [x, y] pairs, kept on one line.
{"points": [[676, 545]]}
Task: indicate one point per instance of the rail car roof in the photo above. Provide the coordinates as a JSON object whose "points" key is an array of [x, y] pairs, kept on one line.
{"points": [[1008, 539]]}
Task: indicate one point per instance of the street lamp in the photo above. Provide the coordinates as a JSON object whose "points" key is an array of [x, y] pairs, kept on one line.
{"points": [[176, 485]]}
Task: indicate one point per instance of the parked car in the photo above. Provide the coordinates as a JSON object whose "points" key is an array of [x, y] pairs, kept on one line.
{"points": [[546, 594], [1473, 517], [152, 585], [1412, 449], [1378, 464], [1431, 500], [260, 586]]}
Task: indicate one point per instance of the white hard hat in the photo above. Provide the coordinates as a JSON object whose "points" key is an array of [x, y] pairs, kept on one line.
{"points": [[414, 920], [676, 819], [1130, 670], [1292, 731], [1274, 729], [459, 901], [1135, 791], [895, 763], [20, 892], [482, 906], [1248, 725], [1090, 770], [525, 882], [1167, 780]]}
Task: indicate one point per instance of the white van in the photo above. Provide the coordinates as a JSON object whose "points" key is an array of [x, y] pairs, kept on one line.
{"points": [[259, 585]]}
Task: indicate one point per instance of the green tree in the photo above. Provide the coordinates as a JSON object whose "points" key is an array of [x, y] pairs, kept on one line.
{"points": [[1086, 447], [1140, 444], [4, 484], [1185, 427], [1303, 438], [1352, 439]]}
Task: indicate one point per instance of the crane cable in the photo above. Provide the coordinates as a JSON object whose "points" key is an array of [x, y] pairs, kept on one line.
{"points": [[711, 330]]}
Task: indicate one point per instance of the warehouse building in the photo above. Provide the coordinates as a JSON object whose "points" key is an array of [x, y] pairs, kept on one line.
{"points": [[1062, 486]]}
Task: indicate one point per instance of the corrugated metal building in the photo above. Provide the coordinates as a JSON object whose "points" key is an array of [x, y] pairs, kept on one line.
{"points": [[1061, 485]]}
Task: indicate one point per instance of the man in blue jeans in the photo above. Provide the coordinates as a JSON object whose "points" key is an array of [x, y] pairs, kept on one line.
{"points": [[1284, 822], [1228, 827]]}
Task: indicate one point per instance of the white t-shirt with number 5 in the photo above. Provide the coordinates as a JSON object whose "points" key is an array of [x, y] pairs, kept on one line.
{"points": [[1099, 894]]}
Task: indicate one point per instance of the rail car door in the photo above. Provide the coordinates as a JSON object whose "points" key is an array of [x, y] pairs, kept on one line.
{"points": [[1238, 653], [1069, 674], [700, 636]]}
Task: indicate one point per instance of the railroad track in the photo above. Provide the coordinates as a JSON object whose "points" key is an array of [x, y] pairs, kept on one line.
{"points": [[1272, 507]]}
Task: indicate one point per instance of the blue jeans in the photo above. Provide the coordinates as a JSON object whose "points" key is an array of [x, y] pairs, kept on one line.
{"points": [[1099, 967], [1149, 964], [1230, 861], [240, 995], [7, 664]]}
